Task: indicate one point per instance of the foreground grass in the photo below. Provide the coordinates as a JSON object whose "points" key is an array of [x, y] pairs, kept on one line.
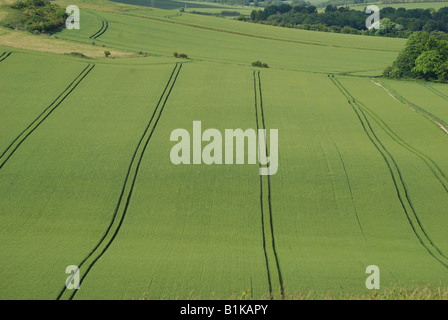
{"points": [[397, 292]]}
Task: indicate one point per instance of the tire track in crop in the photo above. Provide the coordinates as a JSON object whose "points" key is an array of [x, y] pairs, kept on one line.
{"points": [[270, 252], [397, 178], [6, 155], [434, 90], [4, 56], [126, 193], [350, 189], [103, 29], [429, 162]]}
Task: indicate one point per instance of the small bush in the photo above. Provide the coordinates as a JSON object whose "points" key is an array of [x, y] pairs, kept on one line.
{"points": [[259, 64], [107, 53], [176, 54], [77, 54], [183, 56]]}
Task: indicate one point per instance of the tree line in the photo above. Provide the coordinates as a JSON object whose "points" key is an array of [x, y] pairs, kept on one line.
{"points": [[425, 56], [395, 22]]}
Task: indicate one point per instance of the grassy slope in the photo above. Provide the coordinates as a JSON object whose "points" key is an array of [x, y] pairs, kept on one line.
{"points": [[192, 231], [300, 50], [70, 171], [320, 242], [20, 81], [427, 193]]}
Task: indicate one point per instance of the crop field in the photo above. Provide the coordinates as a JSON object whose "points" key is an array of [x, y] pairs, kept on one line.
{"points": [[87, 177]]}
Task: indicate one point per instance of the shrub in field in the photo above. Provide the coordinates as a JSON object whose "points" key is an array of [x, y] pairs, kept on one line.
{"points": [[77, 54], [392, 72], [180, 55], [107, 53], [38, 16], [259, 64]]}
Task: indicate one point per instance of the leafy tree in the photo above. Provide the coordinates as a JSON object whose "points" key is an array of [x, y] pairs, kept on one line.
{"points": [[431, 25], [330, 8], [38, 16], [424, 56], [428, 64], [443, 72]]}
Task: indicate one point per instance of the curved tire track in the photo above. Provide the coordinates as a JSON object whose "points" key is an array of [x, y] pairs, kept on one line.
{"points": [[126, 193], [397, 178], [434, 90], [102, 30], [6, 155]]}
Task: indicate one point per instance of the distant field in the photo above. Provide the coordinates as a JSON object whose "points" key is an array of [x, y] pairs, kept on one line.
{"points": [[228, 41], [172, 4], [86, 177]]}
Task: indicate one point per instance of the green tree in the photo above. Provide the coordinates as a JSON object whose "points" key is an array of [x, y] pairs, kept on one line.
{"points": [[428, 64], [443, 72], [415, 46]]}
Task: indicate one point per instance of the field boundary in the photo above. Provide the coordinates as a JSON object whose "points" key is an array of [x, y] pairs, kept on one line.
{"points": [[431, 117], [127, 189], [268, 251], [397, 178], [9, 151]]}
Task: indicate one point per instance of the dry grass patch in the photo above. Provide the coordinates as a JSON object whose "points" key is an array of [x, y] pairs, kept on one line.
{"points": [[45, 43]]}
